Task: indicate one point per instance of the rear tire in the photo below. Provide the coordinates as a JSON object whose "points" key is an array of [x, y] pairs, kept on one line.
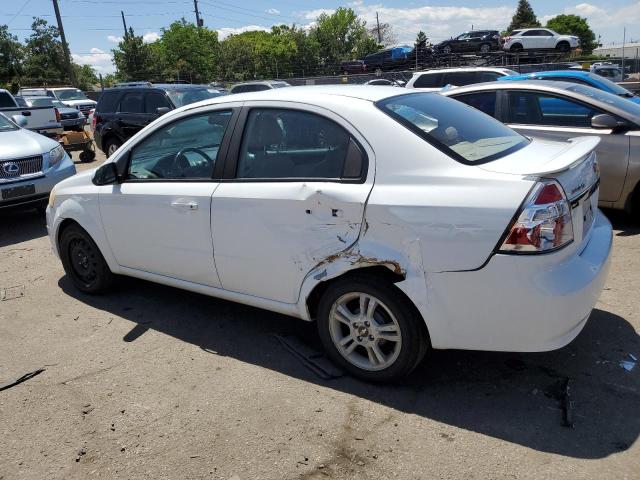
{"points": [[485, 48], [516, 47], [384, 343], [563, 47], [83, 262], [446, 49]]}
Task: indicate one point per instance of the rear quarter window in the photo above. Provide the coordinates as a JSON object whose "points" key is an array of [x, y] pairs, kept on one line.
{"points": [[6, 100], [429, 80], [108, 102]]}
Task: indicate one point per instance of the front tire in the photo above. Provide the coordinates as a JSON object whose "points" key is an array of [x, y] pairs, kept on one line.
{"points": [[110, 146], [563, 47], [516, 48], [83, 262], [446, 49], [370, 330], [485, 48]]}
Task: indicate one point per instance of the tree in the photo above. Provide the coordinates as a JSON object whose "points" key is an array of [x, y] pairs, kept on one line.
{"points": [[134, 59], [44, 57], [387, 35], [11, 55], [575, 25], [341, 36], [524, 17], [421, 40], [189, 52], [86, 77]]}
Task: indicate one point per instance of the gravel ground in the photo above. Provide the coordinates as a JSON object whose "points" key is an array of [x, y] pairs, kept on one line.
{"points": [[153, 382]]}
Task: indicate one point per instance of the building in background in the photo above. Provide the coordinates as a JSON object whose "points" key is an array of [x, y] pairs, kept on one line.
{"points": [[631, 50]]}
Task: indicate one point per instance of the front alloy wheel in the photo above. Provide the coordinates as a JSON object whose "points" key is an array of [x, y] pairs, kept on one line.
{"points": [[370, 329]]}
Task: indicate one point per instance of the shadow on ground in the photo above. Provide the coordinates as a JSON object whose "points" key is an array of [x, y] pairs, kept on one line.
{"points": [[21, 225], [627, 225], [513, 397]]}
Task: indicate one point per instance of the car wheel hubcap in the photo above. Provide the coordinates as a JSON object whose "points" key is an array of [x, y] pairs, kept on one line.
{"points": [[83, 260], [365, 331], [112, 149], [484, 48]]}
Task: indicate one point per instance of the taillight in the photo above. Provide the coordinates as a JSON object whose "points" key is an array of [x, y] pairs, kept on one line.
{"points": [[544, 222], [506, 39], [94, 121], [57, 114]]}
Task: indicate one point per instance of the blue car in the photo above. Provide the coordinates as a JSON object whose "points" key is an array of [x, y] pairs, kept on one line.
{"points": [[580, 77]]}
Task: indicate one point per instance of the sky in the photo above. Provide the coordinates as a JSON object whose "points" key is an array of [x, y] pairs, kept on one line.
{"points": [[94, 27]]}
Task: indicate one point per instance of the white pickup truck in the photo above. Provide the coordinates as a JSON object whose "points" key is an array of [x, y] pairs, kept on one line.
{"points": [[44, 120]]}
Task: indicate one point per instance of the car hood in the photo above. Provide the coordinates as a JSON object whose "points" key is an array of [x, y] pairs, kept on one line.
{"points": [[24, 143]]}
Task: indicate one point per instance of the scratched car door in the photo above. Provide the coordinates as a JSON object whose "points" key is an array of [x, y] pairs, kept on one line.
{"points": [[296, 197]]}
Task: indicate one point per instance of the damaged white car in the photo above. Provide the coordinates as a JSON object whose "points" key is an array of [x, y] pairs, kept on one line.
{"points": [[399, 222]]}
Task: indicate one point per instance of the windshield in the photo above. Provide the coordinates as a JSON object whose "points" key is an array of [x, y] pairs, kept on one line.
{"points": [[611, 86], [191, 95], [41, 102], [58, 103], [6, 125], [606, 97], [466, 134], [70, 94]]}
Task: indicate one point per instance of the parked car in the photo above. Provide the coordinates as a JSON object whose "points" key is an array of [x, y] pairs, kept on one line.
{"points": [[539, 39], [476, 41], [269, 199], [389, 59], [30, 164], [559, 111], [353, 66], [613, 73], [579, 77], [258, 86], [43, 119], [438, 78], [70, 118], [122, 112], [71, 97]]}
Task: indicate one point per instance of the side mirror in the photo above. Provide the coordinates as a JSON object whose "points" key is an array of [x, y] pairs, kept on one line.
{"points": [[107, 174], [20, 120], [162, 110], [604, 120]]}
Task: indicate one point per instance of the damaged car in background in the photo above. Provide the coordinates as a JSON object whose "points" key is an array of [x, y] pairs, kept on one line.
{"points": [[400, 222]]}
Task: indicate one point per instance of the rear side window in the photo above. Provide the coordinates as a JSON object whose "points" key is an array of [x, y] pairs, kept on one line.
{"points": [[487, 76], [459, 79], [428, 80], [534, 108], [132, 102], [463, 133], [279, 143], [6, 100], [108, 102], [483, 101]]}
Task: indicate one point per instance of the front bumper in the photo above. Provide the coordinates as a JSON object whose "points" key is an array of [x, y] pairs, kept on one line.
{"points": [[521, 303], [43, 185]]}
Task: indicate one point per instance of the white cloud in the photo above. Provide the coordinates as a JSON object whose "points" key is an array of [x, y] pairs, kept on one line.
{"points": [[150, 37], [98, 59], [225, 32], [273, 11], [314, 14], [114, 39]]}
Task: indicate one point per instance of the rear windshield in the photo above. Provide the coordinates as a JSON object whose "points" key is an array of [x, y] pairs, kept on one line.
{"points": [[191, 95], [462, 132], [41, 102]]}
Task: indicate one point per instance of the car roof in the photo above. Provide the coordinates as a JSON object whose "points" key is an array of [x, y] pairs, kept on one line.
{"points": [[463, 69], [160, 86], [311, 93], [549, 73], [259, 82]]}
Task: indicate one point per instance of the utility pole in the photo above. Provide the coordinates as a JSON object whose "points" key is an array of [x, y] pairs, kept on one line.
{"points": [[624, 39], [124, 24], [378, 22], [65, 47], [198, 21]]}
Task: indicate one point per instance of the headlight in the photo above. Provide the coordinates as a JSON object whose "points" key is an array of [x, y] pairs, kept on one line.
{"points": [[52, 197], [55, 155]]}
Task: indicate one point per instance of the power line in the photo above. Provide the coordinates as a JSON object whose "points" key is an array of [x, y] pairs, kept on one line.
{"points": [[19, 12]]}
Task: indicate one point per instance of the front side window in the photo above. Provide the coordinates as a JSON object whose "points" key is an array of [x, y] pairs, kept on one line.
{"points": [[6, 100], [534, 108], [295, 144], [463, 133], [153, 101], [132, 102], [185, 149]]}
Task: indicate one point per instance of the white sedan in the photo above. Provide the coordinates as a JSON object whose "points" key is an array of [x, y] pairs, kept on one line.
{"points": [[398, 221]]}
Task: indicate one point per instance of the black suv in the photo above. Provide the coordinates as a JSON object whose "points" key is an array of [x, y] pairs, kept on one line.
{"points": [[123, 111], [476, 41]]}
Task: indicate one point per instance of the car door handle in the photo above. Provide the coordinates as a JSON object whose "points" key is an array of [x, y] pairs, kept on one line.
{"points": [[185, 205]]}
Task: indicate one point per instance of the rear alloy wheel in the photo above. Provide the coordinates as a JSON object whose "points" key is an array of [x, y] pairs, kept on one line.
{"points": [[563, 47], [111, 146], [83, 262], [446, 49], [485, 48], [369, 329]]}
